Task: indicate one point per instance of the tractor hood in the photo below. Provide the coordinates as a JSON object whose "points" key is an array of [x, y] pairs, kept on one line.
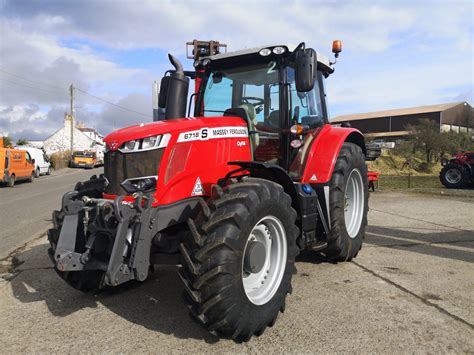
{"points": [[115, 139]]}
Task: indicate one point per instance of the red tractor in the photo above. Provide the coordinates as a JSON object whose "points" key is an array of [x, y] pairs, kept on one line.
{"points": [[458, 172], [231, 194]]}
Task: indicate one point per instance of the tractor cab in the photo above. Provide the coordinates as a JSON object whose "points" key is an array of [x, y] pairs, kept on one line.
{"points": [[279, 91]]}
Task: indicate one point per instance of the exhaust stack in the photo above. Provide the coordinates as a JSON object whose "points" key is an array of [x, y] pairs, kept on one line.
{"points": [[177, 91]]}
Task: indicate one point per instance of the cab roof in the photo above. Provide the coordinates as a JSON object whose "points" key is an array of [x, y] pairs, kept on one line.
{"points": [[322, 60]]}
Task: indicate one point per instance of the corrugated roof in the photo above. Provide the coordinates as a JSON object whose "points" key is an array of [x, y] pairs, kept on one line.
{"points": [[396, 112]]}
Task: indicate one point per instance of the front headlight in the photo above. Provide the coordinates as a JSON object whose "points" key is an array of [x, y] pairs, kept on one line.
{"points": [[150, 142], [130, 145], [137, 145]]}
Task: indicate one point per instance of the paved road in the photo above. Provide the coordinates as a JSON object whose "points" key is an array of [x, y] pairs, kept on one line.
{"points": [[410, 290], [25, 210]]}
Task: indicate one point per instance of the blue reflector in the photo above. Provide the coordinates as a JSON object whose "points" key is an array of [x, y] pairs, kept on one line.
{"points": [[307, 189]]}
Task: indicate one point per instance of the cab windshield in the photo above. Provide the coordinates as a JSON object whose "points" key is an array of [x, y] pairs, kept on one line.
{"points": [[255, 85]]}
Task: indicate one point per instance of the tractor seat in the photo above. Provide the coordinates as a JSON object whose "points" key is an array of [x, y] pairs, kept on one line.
{"points": [[273, 120], [248, 113]]}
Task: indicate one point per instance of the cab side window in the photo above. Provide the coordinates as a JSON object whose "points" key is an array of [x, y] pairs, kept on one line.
{"points": [[306, 105]]}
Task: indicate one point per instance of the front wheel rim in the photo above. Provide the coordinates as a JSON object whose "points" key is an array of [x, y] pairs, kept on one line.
{"points": [[453, 176], [268, 240], [354, 203]]}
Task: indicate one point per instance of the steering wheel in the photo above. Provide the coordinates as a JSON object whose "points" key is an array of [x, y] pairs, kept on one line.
{"points": [[256, 102]]}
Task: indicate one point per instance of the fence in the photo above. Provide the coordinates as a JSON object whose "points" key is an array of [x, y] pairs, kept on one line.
{"points": [[408, 181]]}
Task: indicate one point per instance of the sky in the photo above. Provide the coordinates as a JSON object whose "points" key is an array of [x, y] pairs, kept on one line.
{"points": [[395, 53]]}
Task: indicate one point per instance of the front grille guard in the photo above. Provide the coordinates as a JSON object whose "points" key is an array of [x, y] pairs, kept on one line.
{"points": [[134, 218], [131, 233]]}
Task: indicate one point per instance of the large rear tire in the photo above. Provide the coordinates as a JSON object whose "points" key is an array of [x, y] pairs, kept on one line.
{"points": [[238, 260], [453, 176], [348, 204], [84, 281]]}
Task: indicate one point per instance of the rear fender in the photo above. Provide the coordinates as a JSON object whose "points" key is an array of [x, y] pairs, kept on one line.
{"points": [[324, 151]]}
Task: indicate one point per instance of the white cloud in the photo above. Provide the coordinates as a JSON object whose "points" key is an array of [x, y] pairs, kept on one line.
{"points": [[367, 26], [398, 53]]}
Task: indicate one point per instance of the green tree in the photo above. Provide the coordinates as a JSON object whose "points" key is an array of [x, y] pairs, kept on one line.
{"points": [[22, 141], [426, 137], [7, 141]]}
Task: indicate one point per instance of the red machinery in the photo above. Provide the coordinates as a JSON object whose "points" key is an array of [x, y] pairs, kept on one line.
{"points": [[231, 194], [458, 172], [373, 177]]}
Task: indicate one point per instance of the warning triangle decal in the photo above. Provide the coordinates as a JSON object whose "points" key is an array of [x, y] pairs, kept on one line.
{"points": [[198, 189]]}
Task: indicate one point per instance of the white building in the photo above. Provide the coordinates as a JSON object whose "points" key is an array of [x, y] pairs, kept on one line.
{"points": [[83, 139]]}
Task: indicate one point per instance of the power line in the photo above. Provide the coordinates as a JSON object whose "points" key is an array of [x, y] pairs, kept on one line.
{"points": [[63, 90], [28, 86], [111, 103], [31, 81]]}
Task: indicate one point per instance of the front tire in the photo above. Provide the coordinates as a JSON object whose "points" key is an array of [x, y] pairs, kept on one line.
{"points": [[238, 260], [37, 173], [348, 203]]}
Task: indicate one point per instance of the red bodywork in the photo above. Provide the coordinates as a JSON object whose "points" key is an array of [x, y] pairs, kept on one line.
{"points": [[463, 158], [183, 162], [373, 177]]}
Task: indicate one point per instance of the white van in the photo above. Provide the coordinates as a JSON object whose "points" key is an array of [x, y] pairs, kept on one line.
{"points": [[42, 164]]}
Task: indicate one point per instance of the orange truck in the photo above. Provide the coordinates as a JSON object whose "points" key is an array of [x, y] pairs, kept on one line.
{"points": [[15, 165]]}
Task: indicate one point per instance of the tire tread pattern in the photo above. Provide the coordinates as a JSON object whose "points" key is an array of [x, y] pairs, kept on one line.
{"points": [[211, 254]]}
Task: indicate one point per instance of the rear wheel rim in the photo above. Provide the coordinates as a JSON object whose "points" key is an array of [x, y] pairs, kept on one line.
{"points": [[453, 176], [354, 203], [260, 286]]}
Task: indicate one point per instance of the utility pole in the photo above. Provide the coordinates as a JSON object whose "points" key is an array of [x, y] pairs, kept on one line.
{"points": [[71, 115]]}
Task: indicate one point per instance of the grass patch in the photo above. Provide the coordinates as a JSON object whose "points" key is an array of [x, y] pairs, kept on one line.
{"points": [[405, 182]]}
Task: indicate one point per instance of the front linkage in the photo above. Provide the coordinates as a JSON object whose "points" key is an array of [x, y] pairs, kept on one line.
{"points": [[113, 238]]}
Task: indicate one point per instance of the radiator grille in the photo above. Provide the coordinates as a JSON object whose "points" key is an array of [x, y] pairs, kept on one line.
{"points": [[119, 167]]}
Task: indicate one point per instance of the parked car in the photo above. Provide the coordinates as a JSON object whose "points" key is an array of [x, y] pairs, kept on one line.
{"points": [[374, 150], [16, 164], [42, 163]]}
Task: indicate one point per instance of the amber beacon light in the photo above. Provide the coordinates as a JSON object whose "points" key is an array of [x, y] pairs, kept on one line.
{"points": [[337, 47]]}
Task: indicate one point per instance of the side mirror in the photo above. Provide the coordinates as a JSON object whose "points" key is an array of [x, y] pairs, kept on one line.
{"points": [[305, 69], [32, 161]]}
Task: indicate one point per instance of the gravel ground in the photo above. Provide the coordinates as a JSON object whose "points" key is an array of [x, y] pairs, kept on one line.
{"points": [[411, 289]]}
